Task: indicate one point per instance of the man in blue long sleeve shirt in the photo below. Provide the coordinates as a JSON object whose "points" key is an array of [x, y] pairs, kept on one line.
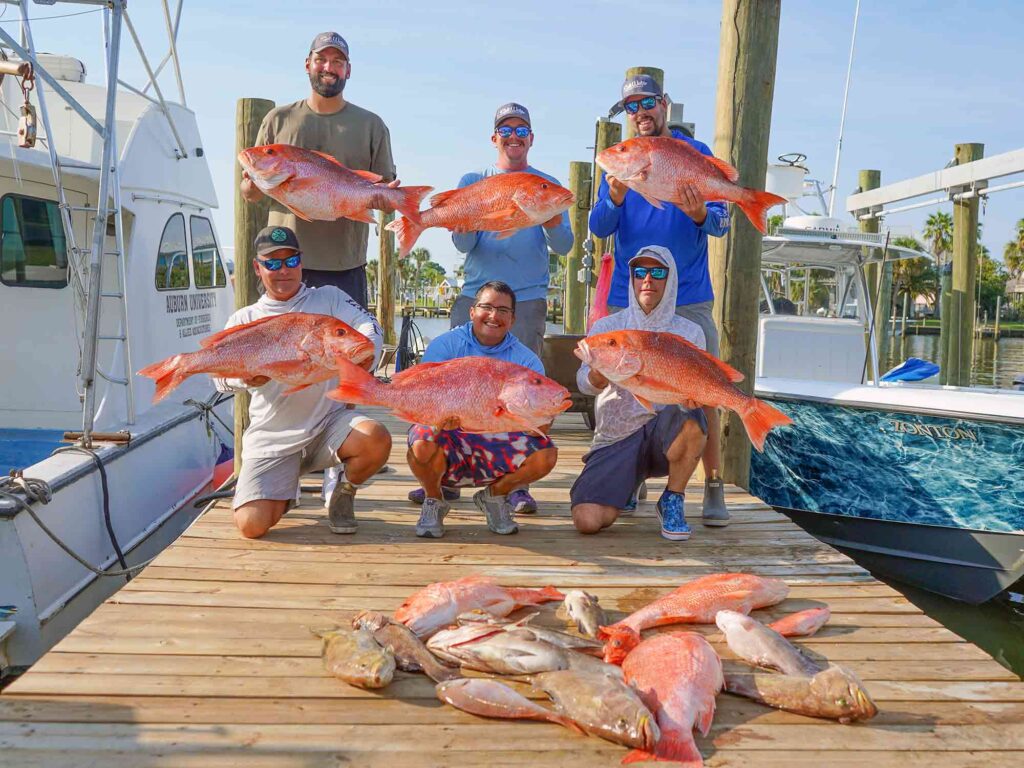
{"points": [[684, 230], [522, 259]]}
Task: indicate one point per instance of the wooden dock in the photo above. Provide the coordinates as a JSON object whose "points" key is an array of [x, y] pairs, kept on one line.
{"points": [[207, 659]]}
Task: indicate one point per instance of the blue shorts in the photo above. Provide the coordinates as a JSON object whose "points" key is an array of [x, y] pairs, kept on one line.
{"points": [[476, 460], [612, 472]]}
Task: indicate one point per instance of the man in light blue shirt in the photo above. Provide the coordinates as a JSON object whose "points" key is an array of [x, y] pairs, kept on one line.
{"points": [[521, 260], [503, 463]]}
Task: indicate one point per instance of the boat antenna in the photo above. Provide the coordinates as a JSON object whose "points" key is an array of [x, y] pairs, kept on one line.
{"points": [[842, 120]]}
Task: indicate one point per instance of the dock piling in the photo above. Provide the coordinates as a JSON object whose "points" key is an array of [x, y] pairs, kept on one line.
{"points": [[575, 313], [250, 218], [386, 269], [959, 346]]}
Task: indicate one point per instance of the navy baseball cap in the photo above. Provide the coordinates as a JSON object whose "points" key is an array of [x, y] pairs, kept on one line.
{"points": [[271, 239], [511, 109], [329, 40]]}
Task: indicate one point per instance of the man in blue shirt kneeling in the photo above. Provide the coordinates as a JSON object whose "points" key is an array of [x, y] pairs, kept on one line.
{"points": [[505, 463]]}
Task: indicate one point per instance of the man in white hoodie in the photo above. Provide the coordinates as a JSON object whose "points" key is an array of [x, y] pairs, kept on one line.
{"points": [[632, 444], [289, 435]]}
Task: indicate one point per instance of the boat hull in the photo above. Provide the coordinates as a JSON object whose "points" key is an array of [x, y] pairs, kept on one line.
{"points": [[932, 500]]}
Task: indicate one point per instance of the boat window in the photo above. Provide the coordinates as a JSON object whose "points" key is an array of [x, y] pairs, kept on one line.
{"points": [[172, 258], [33, 249], [206, 262]]}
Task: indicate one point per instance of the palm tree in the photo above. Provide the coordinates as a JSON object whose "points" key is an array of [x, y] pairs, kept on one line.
{"points": [[938, 231], [1013, 252], [419, 257]]}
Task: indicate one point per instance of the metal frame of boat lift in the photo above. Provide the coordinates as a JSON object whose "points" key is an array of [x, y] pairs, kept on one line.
{"points": [[88, 280]]}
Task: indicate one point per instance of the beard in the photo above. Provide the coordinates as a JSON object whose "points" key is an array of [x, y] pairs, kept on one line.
{"points": [[327, 90]]}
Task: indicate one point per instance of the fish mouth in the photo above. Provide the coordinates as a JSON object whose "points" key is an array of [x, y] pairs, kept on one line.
{"points": [[362, 354], [566, 404]]}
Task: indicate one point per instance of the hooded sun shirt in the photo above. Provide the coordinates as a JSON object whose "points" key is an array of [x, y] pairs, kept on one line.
{"points": [[618, 413]]}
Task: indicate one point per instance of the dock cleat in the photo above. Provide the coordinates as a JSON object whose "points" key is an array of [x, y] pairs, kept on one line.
{"points": [[341, 516], [498, 512], [522, 502], [672, 513], [450, 494], [715, 514]]}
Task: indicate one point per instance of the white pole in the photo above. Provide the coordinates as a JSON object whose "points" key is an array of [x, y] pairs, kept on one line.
{"points": [[842, 119]]}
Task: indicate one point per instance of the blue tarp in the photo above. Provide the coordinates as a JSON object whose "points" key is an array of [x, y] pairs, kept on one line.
{"points": [[912, 369]]}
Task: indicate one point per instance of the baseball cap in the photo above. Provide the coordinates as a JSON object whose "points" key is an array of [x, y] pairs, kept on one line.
{"points": [[329, 40], [638, 85], [271, 239], [505, 111], [656, 252]]}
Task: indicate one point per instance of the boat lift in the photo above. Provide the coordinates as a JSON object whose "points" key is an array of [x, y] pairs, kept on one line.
{"points": [[87, 263]]}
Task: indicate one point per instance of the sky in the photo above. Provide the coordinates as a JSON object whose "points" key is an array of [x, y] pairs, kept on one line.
{"points": [[926, 76]]}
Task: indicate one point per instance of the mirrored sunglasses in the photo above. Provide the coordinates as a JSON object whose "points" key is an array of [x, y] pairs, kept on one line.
{"points": [[658, 273], [272, 265], [505, 131], [647, 102]]}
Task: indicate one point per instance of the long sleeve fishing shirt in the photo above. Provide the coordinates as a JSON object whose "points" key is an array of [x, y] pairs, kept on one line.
{"points": [[520, 260], [280, 425], [637, 223]]}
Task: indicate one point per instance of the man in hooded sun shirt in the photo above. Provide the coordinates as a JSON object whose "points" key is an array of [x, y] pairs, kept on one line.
{"points": [[632, 444], [505, 462], [683, 230], [521, 260]]}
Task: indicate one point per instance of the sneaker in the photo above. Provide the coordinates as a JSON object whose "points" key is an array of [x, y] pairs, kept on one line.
{"points": [[672, 515], [431, 522], [630, 507], [341, 515], [450, 494], [715, 514], [522, 502], [497, 510]]}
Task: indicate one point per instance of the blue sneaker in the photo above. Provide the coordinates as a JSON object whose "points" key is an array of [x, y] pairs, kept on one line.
{"points": [[630, 507], [672, 516]]}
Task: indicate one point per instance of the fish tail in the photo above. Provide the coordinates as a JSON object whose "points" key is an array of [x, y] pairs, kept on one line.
{"points": [[407, 232], [168, 375], [680, 749], [755, 205], [355, 385], [599, 308], [412, 198], [759, 420], [550, 593]]}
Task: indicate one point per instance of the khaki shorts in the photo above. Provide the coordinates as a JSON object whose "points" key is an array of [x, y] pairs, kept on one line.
{"points": [[277, 477], [699, 313]]}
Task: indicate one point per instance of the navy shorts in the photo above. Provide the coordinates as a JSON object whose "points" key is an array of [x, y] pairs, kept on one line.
{"points": [[612, 472]]}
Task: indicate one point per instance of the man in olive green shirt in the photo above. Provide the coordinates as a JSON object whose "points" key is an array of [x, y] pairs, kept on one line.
{"points": [[333, 252]]}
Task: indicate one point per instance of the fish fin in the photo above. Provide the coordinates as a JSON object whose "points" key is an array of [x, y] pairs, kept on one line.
{"points": [[599, 308], [680, 749], [500, 216], [755, 205], [705, 716], [637, 756], [219, 336], [759, 421], [738, 601], [168, 375], [644, 402], [368, 175], [407, 232], [412, 199], [366, 216], [568, 722], [356, 385], [297, 212], [729, 171], [443, 197], [296, 388], [652, 201], [332, 159]]}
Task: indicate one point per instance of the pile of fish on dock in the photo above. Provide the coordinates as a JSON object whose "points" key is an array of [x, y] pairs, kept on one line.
{"points": [[647, 693]]}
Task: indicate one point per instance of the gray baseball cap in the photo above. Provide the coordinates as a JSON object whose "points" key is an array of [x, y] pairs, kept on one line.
{"points": [[271, 239], [329, 40], [638, 85], [505, 111]]}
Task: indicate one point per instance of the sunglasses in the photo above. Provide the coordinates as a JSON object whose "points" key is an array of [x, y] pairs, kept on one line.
{"points": [[272, 265], [658, 273], [520, 131], [647, 102]]}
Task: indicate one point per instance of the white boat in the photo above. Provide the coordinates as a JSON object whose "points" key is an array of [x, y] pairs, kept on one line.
{"points": [[81, 314], [919, 482]]}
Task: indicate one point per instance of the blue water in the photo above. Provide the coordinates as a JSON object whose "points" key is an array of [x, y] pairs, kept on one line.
{"points": [[890, 466], [20, 448]]}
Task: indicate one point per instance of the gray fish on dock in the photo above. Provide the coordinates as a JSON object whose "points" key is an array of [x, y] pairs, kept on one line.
{"points": [[752, 641], [834, 693], [518, 652], [582, 608], [489, 698], [411, 655], [353, 655], [603, 706], [555, 637]]}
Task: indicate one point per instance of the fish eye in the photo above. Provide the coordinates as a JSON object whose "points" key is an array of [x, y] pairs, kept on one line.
{"points": [[270, 151], [536, 380], [340, 332], [543, 186], [611, 342]]}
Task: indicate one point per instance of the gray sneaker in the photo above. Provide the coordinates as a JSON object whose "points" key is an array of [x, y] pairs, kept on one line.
{"points": [[715, 513], [431, 522], [497, 510], [341, 515]]}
